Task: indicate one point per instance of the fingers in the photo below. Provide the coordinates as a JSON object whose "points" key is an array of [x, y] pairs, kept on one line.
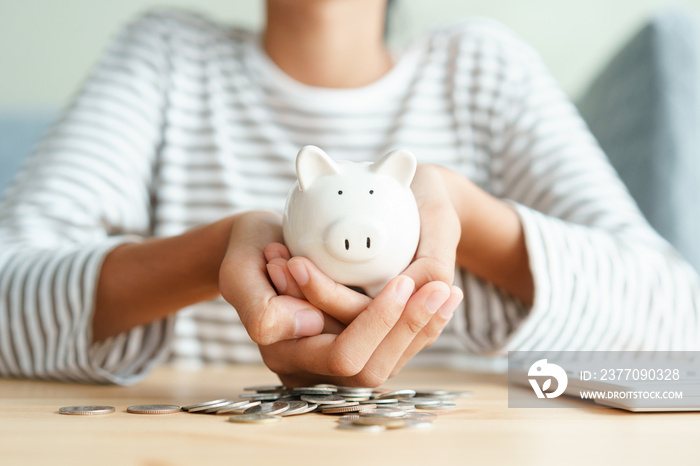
{"points": [[345, 355], [277, 250], [334, 299], [425, 316], [282, 279], [420, 310], [430, 333], [267, 317], [440, 229]]}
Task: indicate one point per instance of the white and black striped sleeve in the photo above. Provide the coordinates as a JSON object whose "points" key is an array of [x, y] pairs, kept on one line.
{"points": [[604, 279], [83, 191]]}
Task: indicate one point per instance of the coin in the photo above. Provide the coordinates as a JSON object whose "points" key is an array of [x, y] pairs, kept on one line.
{"points": [[354, 390], [314, 390], [239, 407], [381, 401], [418, 424], [264, 388], [324, 399], [431, 393], [420, 416], [348, 418], [421, 401], [260, 396], [296, 407], [357, 398], [271, 408], [388, 422], [201, 405], [385, 412], [361, 428], [405, 406], [206, 407], [349, 408], [86, 410], [444, 406], [401, 394], [255, 418], [153, 409]]}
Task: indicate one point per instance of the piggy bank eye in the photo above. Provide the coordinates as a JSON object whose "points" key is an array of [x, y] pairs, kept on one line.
{"points": [[340, 193], [371, 191]]}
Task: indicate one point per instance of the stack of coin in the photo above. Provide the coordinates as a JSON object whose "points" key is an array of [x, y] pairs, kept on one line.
{"points": [[359, 408]]}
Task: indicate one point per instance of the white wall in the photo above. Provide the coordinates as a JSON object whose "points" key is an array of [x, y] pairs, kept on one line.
{"points": [[47, 46]]}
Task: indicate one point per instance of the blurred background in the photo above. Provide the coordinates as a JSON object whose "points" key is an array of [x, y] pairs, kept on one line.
{"points": [[47, 46]]}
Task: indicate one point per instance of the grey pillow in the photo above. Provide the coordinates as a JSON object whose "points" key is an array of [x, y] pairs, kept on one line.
{"points": [[644, 109]]}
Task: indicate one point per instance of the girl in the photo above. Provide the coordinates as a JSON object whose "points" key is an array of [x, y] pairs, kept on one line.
{"points": [[160, 188]]}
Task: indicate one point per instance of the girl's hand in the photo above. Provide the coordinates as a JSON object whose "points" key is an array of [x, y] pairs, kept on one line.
{"points": [[243, 282], [421, 322], [381, 335]]}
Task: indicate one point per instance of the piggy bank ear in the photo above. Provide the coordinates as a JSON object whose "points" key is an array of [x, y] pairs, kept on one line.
{"points": [[399, 164], [312, 162]]}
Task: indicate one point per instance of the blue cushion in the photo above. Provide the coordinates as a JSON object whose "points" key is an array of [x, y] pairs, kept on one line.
{"points": [[644, 109], [19, 132]]}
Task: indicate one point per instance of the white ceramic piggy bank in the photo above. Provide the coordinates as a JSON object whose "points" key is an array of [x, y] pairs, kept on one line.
{"points": [[357, 222]]}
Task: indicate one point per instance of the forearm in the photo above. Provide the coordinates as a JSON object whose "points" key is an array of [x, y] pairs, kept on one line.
{"points": [[141, 283], [492, 244]]}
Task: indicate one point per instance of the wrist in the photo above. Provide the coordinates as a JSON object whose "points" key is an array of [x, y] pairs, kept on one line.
{"points": [[492, 244]]}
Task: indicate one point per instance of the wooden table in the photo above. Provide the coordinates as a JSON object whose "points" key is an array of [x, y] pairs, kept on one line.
{"points": [[482, 431]]}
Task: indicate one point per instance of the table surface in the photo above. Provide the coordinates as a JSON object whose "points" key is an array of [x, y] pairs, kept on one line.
{"points": [[483, 430]]}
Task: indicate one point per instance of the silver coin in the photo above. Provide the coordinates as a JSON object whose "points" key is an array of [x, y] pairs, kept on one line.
{"points": [[86, 410], [255, 418], [462, 394], [421, 401], [229, 406], [264, 388], [203, 408], [153, 409], [347, 408], [296, 407], [260, 396], [420, 416], [324, 399], [444, 406], [431, 393], [406, 406], [201, 405], [400, 394], [314, 390], [385, 412], [357, 391], [237, 407], [356, 398], [271, 408], [418, 424], [361, 428], [348, 418], [381, 401], [388, 422]]}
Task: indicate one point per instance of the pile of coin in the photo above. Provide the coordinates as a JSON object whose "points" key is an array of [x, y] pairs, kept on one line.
{"points": [[358, 408]]}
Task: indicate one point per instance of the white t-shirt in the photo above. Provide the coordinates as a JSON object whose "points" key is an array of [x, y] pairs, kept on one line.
{"points": [[185, 121]]}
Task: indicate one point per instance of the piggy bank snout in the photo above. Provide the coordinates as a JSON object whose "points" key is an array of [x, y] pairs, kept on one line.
{"points": [[354, 240]]}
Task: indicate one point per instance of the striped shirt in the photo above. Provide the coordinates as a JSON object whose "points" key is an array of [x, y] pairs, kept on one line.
{"points": [[184, 121]]}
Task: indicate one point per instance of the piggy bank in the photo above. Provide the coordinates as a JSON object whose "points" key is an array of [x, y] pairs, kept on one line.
{"points": [[357, 222]]}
